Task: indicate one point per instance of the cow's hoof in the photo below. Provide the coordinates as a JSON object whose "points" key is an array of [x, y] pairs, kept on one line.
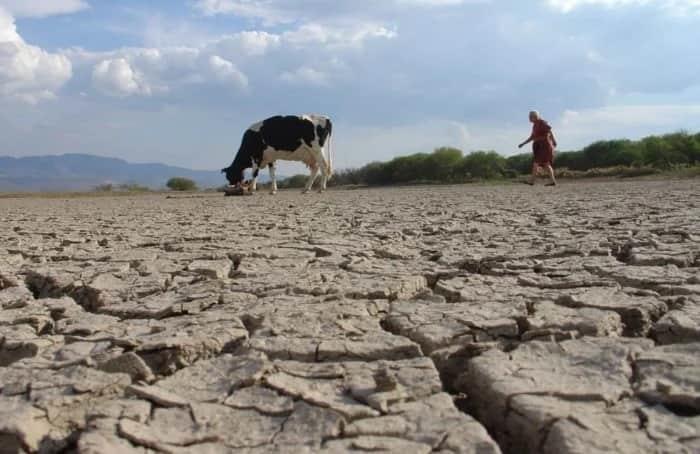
{"points": [[305, 191], [273, 192]]}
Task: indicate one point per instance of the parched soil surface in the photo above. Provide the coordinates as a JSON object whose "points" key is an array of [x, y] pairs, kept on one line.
{"points": [[437, 319]]}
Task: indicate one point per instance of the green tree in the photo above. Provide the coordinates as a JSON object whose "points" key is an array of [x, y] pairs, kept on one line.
{"points": [[376, 174], [347, 177], [685, 148], [407, 169], [443, 164], [519, 163], [658, 152], [572, 160], [607, 153], [181, 184], [483, 165]]}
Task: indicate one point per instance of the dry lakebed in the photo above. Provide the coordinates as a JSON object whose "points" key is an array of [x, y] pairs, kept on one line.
{"points": [[450, 319]]}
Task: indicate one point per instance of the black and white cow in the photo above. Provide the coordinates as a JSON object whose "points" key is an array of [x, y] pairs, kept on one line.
{"points": [[290, 138]]}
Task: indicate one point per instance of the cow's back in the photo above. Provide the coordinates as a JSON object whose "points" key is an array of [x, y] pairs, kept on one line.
{"points": [[287, 132]]}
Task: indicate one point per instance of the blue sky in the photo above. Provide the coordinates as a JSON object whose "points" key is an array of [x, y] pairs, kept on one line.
{"points": [[178, 81]]}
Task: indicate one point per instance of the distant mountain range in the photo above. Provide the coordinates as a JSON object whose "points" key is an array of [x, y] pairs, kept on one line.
{"points": [[77, 172]]}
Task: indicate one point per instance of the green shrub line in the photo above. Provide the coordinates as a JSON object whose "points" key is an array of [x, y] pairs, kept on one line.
{"points": [[676, 154], [672, 155]]}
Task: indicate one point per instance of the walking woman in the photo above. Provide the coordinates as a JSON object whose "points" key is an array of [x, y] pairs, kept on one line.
{"points": [[543, 145]]}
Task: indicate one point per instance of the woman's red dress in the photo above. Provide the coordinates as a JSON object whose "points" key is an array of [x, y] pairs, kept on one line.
{"points": [[542, 146]]}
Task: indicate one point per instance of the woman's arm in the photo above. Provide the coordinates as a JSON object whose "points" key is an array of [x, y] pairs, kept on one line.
{"points": [[554, 139], [526, 142]]}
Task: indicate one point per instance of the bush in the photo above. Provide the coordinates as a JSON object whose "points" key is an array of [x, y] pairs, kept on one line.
{"points": [[484, 165], [132, 187], [610, 172], [295, 181], [630, 172], [127, 187], [443, 165], [181, 184], [573, 160], [519, 163], [619, 158]]}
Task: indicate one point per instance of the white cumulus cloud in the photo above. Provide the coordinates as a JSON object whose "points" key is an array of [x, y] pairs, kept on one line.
{"points": [[316, 35], [661, 117], [288, 11], [151, 71], [337, 36], [306, 76], [42, 8], [226, 72], [117, 77], [225, 61], [248, 43], [27, 72], [674, 6]]}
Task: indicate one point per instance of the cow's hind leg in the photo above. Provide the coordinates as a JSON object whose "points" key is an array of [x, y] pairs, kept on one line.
{"points": [[323, 165], [273, 177], [324, 177], [312, 178]]}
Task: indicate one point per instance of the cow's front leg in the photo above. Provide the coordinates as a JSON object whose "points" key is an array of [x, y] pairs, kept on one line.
{"points": [[254, 181], [273, 177], [324, 180], [312, 178]]}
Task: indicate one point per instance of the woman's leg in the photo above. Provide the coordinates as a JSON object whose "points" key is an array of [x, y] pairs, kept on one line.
{"points": [[550, 169], [535, 169]]}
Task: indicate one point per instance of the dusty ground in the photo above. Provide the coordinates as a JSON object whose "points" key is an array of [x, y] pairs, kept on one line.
{"points": [[447, 319]]}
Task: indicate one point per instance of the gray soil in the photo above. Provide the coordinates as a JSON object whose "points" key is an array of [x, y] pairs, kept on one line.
{"points": [[435, 319]]}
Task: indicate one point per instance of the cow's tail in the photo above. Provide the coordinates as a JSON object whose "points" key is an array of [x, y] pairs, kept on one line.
{"points": [[329, 169]]}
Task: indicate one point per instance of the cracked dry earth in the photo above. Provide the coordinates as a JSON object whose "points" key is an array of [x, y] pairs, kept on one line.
{"points": [[438, 319]]}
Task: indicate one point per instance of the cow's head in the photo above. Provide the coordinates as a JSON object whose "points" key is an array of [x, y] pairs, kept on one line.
{"points": [[234, 175]]}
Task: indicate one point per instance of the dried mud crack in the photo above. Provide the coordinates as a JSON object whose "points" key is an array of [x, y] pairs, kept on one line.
{"points": [[444, 319]]}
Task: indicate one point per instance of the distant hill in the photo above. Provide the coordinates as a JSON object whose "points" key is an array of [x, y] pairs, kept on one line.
{"points": [[84, 171]]}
